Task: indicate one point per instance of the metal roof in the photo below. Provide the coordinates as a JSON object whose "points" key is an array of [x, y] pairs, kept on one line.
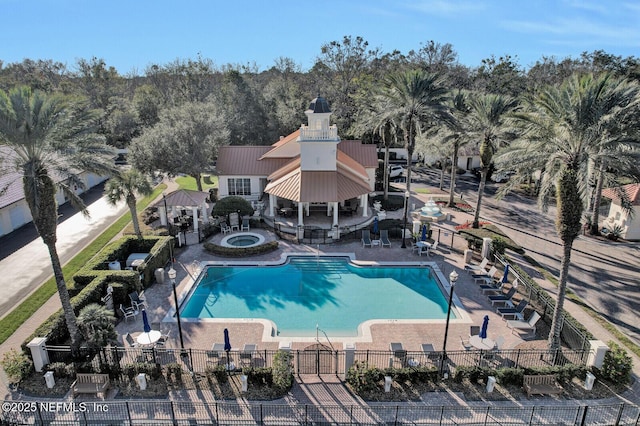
{"points": [[183, 198], [318, 186]]}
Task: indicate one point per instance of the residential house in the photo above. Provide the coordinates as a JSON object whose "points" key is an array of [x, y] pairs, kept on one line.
{"points": [[627, 221]]}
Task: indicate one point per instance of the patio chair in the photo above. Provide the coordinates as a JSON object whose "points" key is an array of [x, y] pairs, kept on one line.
{"points": [[477, 269], [503, 298], [499, 343], [162, 342], [414, 247], [429, 351], [384, 238], [127, 312], [515, 313], [465, 344], [246, 355], [529, 325], [234, 221], [224, 228], [398, 350], [136, 301], [486, 277], [245, 224], [129, 340], [366, 238]]}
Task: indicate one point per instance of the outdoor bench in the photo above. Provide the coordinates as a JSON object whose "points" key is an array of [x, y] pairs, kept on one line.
{"points": [[541, 384], [90, 383]]}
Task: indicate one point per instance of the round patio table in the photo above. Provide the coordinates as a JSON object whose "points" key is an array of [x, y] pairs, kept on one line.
{"points": [[146, 339]]}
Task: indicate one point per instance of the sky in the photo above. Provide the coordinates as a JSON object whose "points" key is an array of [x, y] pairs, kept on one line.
{"points": [[133, 34]]}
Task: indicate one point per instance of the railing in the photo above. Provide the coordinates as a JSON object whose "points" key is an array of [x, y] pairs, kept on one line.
{"points": [[233, 413], [329, 134], [319, 361]]}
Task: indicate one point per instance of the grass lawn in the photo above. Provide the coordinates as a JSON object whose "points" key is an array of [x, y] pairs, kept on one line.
{"points": [[188, 182]]}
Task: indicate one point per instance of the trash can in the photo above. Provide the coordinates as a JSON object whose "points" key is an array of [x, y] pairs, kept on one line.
{"points": [[468, 255], [589, 381], [160, 276], [142, 381], [49, 380], [491, 382], [387, 383], [243, 380]]}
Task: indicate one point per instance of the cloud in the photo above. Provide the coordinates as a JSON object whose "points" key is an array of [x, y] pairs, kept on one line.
{"points": [[578, 30], [446, 8]]}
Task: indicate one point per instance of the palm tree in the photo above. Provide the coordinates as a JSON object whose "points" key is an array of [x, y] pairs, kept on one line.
{"points": [[51, 139], [125, 186], [565, 129], [488, 122], [415, 100]]}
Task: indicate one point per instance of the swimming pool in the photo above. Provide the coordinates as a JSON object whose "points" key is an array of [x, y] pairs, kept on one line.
{"points": [[304, 293]]}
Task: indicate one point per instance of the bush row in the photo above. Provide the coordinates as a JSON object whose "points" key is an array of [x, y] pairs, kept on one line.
{"points": [[90, 283], [240, 251]]}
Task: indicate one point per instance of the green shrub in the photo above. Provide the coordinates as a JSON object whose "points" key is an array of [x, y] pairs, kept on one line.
{"points": [[148, 368], [361, 378], [219, 372], [510, 376], [282, 375], [617, 365], [498, 245], [262, 376], [60, 369], [174, 370], [16, 365], [232, 204]]}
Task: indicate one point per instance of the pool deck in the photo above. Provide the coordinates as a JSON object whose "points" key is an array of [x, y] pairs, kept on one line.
{"points": [[202, 334]]}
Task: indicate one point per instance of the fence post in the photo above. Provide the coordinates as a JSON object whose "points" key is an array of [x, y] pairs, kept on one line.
{"points": [[584, 415], [128, 411]]}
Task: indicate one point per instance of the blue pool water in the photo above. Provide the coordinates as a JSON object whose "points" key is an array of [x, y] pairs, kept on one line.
{"points": [[330, 292]]}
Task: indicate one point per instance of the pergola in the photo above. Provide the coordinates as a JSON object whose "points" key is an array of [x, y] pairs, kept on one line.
{"points": [[173, 205]]}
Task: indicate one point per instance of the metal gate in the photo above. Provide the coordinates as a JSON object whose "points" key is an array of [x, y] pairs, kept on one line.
{"points": [[316, 359]]}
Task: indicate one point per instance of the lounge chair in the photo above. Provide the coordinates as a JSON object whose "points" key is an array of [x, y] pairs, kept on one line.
{"points": [[429, 351], [384, 238], [433, 247], [127, 312], [136, 301], [465, 344], [245, 224], [514, 313], [486, 278], [492, 288], [477, 269], [529, 325], [246, 355], [366, 238], [499, 343], [398, 350], [503, 298]]}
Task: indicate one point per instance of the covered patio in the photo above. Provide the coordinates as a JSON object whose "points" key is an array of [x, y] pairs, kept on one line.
{"points": [[185, 209]]}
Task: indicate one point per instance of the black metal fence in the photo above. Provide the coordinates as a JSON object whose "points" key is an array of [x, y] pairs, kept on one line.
{"points": [[545, 305], [318, 361], [233, 413]]}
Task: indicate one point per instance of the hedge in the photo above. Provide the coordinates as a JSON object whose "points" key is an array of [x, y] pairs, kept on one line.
{"points": [[241, 251]]}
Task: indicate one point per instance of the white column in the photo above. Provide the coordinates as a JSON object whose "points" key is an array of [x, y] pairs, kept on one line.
{"points": [[272, 203], [335, 213], [205, 213], [306, 207], [163, 216], [301, 214], [364, 201], [329, 205], [195, 219]]}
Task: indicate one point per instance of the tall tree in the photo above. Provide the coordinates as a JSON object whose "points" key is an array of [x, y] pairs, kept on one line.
{"points": [[51, 139], [126, 185], [414, 100], [488, 123], [564, 129], [185, 140]]}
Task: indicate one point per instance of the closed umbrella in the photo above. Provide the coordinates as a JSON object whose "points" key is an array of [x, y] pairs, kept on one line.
{"points": [[505, 275], [227, 347], [483, 330], [424, 233], [145, 322], [375, 225]]}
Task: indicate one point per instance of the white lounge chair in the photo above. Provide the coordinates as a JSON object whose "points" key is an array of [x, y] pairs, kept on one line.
{"points": [[529, 325], [477, 269], [433, 247], [486, 277]]}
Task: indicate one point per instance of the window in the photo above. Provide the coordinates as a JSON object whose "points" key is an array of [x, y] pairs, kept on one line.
{"points": [[239, 186]]}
